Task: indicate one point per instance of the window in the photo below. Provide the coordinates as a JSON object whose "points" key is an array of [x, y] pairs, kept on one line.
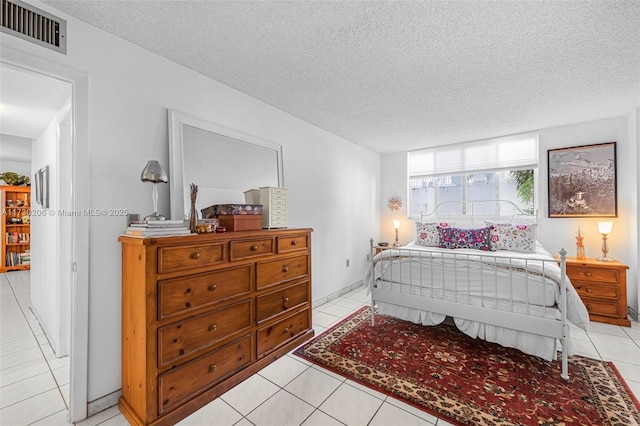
{"points": [[493, 169]]}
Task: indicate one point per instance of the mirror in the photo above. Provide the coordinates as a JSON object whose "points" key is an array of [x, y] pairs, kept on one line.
{"points": [[222, 162]]}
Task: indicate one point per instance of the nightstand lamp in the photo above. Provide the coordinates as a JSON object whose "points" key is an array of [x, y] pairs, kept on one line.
{"points": [[605, 229], [396, 226]]}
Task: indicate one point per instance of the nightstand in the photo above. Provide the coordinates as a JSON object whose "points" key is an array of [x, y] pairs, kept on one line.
{"points": [[602, 286], [379, 248]]}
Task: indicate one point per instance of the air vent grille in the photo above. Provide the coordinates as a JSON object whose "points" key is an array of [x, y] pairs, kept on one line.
{"points": [[29, 23]]}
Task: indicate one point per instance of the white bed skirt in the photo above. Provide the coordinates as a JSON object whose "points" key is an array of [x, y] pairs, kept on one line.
{"points": [[536, 345]]}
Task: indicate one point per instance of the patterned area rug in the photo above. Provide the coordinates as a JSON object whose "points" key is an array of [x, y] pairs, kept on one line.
{"points": [[468, 381]]}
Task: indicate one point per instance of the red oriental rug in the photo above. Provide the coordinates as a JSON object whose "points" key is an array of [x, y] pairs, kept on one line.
{"points": [[469, 381]]}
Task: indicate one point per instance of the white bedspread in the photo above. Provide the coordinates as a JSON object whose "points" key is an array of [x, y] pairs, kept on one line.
{"points": [[507, 281]]}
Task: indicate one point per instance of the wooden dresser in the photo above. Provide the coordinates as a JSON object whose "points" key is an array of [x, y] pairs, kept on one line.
{"points": [[602, 286], [201, 313]]}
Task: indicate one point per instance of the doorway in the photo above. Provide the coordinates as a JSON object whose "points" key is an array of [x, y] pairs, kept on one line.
{"points": [[69, 326]]}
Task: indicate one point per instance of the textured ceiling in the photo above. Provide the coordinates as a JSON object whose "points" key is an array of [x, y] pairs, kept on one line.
{"points": [[398, 75]]}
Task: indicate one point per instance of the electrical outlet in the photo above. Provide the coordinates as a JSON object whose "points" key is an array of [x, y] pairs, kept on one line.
{"points": [[367, 257], [347, 263]]}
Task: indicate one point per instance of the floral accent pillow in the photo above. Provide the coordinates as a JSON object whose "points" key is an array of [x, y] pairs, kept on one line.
{"points": [[427, 233], [453, 238], [514, 237]]}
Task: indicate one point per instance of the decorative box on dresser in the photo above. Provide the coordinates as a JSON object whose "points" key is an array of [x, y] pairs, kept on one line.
{"points": [[602, 286], [201, 313]]}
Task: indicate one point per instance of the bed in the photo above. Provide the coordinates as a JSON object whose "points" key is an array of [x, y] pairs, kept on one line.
{"points": [[481, 265]]}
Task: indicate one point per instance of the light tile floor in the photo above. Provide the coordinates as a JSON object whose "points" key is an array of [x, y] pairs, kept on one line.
{"points": [[290, 391]]}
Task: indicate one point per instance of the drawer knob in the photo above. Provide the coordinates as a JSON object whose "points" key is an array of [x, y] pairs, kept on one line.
{"points": [[285, 331], [254, 248], [213, 327], [588, 274], [212, 368], [294, 243], [285, 268], [588, 307], [285, 302], [213, 287], [195, 255], [588, 290]]}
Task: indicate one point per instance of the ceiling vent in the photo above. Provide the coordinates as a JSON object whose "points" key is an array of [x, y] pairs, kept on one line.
{"points": [[32, 24]]}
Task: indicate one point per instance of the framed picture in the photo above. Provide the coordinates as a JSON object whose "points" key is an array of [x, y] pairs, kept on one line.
{"points": [[37, 184], [582, 181], [44, 186]]}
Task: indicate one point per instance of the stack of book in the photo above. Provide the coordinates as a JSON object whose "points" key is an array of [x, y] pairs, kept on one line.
{"points": [[158, 228], [25, 257]]}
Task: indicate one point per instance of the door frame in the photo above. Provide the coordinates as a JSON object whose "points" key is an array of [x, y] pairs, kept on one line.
{"points": [[79, 184]]}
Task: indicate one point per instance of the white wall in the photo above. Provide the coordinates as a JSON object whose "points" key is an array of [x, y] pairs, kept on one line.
{"points": [[49, 296], [15, 154], [557, 233], [333, 184]]}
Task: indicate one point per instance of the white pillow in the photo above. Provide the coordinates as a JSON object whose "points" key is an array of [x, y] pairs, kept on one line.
{"points": [[511, 236], [427, 233]]}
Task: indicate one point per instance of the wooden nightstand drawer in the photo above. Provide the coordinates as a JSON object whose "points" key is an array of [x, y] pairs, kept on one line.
{"points": [[599, 275], [597, 308], [596, 291]]}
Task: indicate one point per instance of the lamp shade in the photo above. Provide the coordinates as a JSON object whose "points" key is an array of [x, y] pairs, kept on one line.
{"points": [[396, 224], [153, 172], [605, 227]]}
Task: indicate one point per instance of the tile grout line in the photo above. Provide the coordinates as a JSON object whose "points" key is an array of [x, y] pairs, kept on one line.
{"points": [[38, 343]]}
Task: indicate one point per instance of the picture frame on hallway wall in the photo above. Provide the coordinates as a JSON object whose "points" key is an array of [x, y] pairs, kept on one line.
{"points": [[37, 184], [44, 186], [582, 181]]}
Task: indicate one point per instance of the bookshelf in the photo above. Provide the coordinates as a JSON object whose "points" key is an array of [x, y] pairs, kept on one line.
{"points": [[16, 228]]}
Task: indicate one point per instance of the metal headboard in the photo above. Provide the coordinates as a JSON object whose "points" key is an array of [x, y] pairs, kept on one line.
{"points": [[479, 211]]}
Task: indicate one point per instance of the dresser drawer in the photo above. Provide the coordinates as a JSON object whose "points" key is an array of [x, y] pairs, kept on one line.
{"points": [[278, 302], [179, 295], [599, 275], [295, 243], [277, 194], [281, 270], [278, 224], [182, 258], [603, 309], [271, 337], [278, 203], [182, 383], [184, 338], [597, 291], [246, 249]]}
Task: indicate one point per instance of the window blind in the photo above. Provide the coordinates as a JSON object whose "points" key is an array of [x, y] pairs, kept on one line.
{"points": [[512, 152]]}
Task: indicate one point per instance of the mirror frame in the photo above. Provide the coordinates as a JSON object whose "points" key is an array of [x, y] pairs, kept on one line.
{"points": [[179, 119]]}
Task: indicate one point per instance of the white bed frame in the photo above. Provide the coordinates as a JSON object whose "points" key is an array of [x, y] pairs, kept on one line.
{"points": [[557, 329]]}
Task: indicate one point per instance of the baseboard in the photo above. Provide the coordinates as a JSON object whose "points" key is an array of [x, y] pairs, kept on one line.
{"points": [[337, 294], [44, 329], [102, 403], [632, 313]]}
